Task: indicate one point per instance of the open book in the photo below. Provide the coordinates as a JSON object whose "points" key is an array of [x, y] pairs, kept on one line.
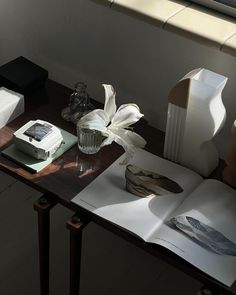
{"points": [[198, 222]]}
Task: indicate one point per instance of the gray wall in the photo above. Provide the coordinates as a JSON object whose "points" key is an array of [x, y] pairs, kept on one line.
{"points": [[81, 40]]}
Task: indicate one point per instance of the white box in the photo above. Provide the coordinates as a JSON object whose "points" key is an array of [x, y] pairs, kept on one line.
{"points": [[42, 140], [11, 105]]}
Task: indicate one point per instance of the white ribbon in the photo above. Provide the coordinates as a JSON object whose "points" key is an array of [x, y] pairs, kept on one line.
{"points": [[112, 123]]}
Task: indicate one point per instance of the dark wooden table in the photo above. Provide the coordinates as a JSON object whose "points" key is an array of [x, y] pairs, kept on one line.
{"points": [[65, 178]]}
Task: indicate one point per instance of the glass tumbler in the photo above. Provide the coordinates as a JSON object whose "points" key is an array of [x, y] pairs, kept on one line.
{"points": [[89, 141]]}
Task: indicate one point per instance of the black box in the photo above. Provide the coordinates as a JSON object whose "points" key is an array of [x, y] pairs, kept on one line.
{"points": [[22, 75]]}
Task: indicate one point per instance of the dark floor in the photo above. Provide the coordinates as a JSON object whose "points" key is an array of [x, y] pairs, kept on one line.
{"points": [[110, 265]]}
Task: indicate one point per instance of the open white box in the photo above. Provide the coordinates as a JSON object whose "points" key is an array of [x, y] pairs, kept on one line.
{"points": [[11, 105]]}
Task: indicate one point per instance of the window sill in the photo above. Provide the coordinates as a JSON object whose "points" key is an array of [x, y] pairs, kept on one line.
{"points": [[181, 17]]}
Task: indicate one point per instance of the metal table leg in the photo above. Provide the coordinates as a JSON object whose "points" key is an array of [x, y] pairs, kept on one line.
{"points": [[75, 225], [43, 206]]}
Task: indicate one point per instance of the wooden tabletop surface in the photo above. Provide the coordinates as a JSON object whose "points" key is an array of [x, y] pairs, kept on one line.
{"points": [[73, 171]]}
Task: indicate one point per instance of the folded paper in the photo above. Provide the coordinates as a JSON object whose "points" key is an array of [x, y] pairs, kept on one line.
{"points": [[144, 183]]}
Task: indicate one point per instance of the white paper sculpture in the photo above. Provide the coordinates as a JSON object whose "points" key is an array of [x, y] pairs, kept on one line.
{"points": [[11, 105], [195, 115]]}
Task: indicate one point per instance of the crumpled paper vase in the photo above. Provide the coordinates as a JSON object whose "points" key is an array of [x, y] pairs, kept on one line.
{"points": [[195, 115]]}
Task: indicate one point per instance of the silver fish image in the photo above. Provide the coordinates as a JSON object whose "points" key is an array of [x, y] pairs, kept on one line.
{"points": [[144, 183], [204, 235]]}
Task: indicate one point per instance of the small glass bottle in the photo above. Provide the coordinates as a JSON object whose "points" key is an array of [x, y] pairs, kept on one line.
{"points": [[79, 104]]}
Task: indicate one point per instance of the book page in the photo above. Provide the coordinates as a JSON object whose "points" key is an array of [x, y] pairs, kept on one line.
{"points": [[202, 230], [107, 196]]}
